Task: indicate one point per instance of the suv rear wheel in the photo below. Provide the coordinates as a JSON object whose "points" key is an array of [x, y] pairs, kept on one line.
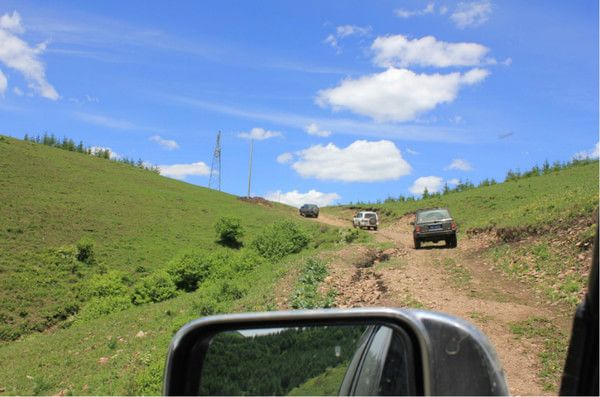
{"points": [[451, 242], [417, 243]]}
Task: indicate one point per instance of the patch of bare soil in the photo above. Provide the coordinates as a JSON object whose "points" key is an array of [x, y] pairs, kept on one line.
{"points": [[456, 281], [256, 200]]}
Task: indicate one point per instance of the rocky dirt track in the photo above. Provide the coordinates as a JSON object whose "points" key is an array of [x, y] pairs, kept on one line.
{"points": [[456, 281]]}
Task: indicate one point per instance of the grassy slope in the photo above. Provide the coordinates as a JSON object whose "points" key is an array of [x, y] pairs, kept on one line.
{"points": [[139, 220], [540, 200], [52, 198]]}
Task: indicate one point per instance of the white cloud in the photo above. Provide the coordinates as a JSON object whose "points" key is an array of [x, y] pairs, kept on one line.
{"points": [[432, 183], [362, 161], [165, 143], [397, 94], [588, 154], [297, 199], [410, 151], [181, 171], [113, 155], [16, 54], [3, 83], [453, 181], [459, 164], [352, 30], [344, 31], [402, 13], [285, 158], [332, 41], [471, 14], [400, 51], [259, 134], [18, 91], [313, 129]]}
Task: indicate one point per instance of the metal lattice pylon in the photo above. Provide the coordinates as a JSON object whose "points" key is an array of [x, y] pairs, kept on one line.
{"points": [[215, 167]]}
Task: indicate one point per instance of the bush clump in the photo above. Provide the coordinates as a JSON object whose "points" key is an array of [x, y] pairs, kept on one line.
{"points": [[189, 269], [280, 239], [156, 287], [85, 251], [101, 306], [229, 231], [113, 283]]}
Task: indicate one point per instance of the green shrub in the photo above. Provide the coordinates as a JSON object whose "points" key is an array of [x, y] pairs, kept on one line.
{"points": [[85, 251], [113, 283], [156, 287], [280, 239], [9, 333], [229, 231], [188, 269], [247, 261], [101, 306], [351, 235]]}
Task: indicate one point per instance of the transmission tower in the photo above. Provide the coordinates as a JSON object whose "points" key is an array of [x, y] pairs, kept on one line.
{"points": [[215, 167]]}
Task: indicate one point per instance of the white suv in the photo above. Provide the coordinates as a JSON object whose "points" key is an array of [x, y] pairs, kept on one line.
{"points": [[366, 219]]}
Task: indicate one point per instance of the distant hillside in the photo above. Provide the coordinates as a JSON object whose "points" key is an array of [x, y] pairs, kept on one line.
{"points": [[535, 201], [136, 219]]}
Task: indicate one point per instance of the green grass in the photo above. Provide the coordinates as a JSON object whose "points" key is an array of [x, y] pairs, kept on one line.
{"points": [[539, 200], [326, 384], [138, 220], [306, 294], [553, 269], [554, 348]]}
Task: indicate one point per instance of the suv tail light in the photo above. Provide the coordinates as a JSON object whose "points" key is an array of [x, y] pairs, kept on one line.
{"points": [[417, 229], [453, 226]]}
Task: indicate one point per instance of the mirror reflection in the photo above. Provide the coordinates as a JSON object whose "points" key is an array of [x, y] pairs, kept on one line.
{"points": [[324, 360]]}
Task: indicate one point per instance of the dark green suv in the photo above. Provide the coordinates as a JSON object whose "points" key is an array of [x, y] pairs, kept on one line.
{"points": [[434, 224]]}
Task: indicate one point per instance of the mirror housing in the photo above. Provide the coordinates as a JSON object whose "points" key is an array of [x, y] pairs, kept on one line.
{"points": [[451, 356]]}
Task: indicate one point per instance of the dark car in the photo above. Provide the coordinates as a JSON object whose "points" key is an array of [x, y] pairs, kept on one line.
{"points": [[309, 210], [434, 225]]}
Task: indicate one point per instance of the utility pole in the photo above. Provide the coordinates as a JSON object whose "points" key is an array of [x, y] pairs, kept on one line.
{"points": [[215, 166], [250, 166]]}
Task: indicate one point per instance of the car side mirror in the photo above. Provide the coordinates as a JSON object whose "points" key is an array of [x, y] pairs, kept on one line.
{"points": [[367, 351]]}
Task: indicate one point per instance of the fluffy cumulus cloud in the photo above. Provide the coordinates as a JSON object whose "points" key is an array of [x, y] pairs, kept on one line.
{"points": [[3, 83], [168, 144], [16, 54], [285, 158], [471, 14], [259, 134], [460, 164], [588, 154], [433, 184], [313, 129], [297, 199], [362, 161], [397, 94], [181, 171], [404, 13], [400, 51]]}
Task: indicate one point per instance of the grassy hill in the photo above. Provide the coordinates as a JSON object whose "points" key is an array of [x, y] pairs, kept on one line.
{"points": [[139, 226], [536, 201], [137, 220]]}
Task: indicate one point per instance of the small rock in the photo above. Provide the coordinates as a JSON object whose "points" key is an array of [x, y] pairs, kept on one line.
{"points": [[103, 360], [140, 334], [2, 389]]}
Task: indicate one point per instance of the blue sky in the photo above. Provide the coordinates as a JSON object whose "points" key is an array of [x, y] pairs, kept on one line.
{"points": [[346, 100]]}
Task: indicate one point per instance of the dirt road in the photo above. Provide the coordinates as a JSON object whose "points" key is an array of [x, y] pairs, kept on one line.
{"points": [[455, 281]]}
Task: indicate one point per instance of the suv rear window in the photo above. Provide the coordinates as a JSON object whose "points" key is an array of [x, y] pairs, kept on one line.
{"points": [[370, 215], [433, 215]]}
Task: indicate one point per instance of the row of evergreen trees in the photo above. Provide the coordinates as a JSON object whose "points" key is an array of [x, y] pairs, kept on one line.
{"points": [[70, 145], [511, 175]]}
